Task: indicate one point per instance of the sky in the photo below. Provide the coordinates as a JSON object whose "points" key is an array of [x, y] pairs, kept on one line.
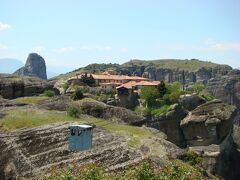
{"points": [[70, 34]]}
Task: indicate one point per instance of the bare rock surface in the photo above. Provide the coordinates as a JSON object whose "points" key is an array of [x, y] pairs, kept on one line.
{"points": [[226, 88], [60, 103], [191, 101], [208, 123], [12, 86], [170, 124], [118, 114], [29, 153], [35, 66]]}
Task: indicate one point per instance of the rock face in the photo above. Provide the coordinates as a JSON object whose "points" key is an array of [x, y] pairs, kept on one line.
{"points": [[15, 86], [191, 101], [113, 113], [60, 103], [208, 124], [29, 153], [226, 88], [35, 66], [170, 124], [169, 71]]}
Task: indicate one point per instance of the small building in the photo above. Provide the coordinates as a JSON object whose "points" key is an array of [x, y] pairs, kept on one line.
{"points": [[80, 137]]}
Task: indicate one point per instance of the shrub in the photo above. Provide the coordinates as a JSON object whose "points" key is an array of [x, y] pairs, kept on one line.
{"points": [[145, 171], [66, 86], [192, 158], [206, 95], [197, 87], [77, 95], [49, 93], [73, 112]]}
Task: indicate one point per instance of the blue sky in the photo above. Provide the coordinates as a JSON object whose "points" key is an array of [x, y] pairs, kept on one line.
{"points": [[73, 33]]}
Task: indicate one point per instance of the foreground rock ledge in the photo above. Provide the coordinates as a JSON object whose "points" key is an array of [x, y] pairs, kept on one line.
{"points": [[29, 153]]}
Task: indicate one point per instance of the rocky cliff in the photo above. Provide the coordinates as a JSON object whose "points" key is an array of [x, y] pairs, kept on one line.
{"points": [[175, 70], [226, 88], [35, 66], [12, 86]]}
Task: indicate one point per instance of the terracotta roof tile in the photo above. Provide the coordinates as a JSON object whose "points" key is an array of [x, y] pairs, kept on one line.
{"points": [[131, 84]]}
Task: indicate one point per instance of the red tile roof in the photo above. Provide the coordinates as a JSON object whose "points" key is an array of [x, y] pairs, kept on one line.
{"points": [[131, 84]]}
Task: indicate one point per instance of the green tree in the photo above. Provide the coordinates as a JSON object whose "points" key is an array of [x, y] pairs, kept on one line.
{"points": [[197, 87], [49, 93], [162, 89], [149, 94], [87, 79]]}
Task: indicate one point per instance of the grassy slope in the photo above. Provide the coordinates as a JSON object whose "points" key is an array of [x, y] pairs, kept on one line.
{"points": [[192, 65], [31, 99], [27, 118]]}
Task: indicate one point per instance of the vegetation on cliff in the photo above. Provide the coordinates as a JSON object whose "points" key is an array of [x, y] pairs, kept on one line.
{"points": [[144, 170]]}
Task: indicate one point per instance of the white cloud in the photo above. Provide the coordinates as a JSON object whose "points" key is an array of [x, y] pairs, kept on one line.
{"points": [[4, 26], [66, 49], [172, 46], [124, 50], [3, 47], [223, 46], [104, 48], [38, 49], [85, 48]]}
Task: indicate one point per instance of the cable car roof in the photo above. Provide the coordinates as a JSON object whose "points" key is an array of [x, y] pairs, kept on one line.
{"points": [[83, 126]]}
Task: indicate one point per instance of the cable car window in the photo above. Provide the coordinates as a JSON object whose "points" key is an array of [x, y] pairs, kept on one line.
{"points": [[79, 132], [72, 132]]}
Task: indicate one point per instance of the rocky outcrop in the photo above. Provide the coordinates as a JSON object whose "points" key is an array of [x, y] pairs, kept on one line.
{"points": [[208, 124], [174, 70], [226, 88], [35, 66], [30, 153], [15, 86], [191, 101], [118, 114], [59, 103], [170, 124]]}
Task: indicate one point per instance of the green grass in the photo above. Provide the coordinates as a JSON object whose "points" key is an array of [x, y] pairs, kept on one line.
{"points": [[162, 110], [28, 118], [31, 99], [193, 64]]}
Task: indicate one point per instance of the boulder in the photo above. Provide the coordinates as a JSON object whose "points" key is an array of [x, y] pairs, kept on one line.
{"points": [[35, 66], [191, 101], [118, 114], [60, 103], [208, 123], [170, 124]]}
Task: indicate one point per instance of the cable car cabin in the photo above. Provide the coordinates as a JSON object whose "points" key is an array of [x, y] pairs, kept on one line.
{"points": [[80, 137]]}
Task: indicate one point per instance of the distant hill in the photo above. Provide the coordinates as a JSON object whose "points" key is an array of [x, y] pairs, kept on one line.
{"points": [[173, 64], [154, 69], [8, 65]]}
